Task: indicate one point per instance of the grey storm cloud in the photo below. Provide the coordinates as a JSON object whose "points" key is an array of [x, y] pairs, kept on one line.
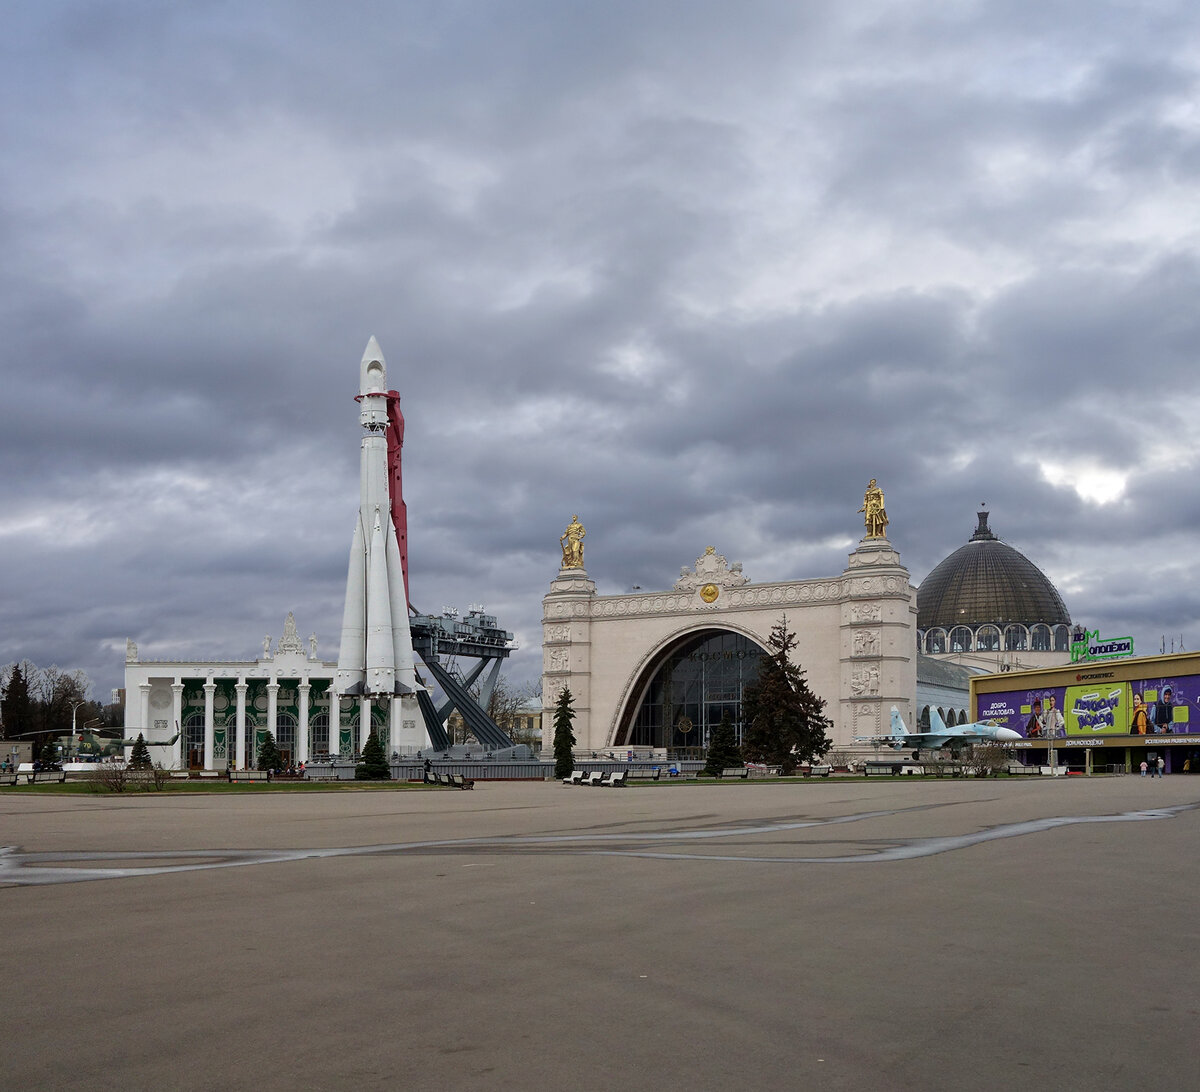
{"points": [[694, 272]]}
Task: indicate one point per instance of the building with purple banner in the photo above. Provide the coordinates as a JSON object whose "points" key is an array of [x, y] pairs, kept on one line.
{"points": [[1103, 716]]}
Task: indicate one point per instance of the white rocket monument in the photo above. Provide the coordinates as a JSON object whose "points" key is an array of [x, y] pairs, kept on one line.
{"points": [[375, 662]]}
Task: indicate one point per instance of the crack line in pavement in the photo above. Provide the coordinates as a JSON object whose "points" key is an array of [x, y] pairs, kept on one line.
{"points": [[21, 869]]}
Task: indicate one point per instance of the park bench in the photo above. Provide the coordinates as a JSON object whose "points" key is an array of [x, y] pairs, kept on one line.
{"points": [[765, 771], [575, 778], [892, 769], [8, 777], [449, 781], [179, 775], [614, 780], [819, 770], [249, 775], [594, 778], [736, 771], [645, 775], [34, 777]]}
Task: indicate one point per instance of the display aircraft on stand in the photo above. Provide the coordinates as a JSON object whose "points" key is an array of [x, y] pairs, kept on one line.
{"points": [[939, 735]]}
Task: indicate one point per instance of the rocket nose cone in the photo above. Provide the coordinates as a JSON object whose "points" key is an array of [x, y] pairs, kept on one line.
{"points": [[372, 369]]}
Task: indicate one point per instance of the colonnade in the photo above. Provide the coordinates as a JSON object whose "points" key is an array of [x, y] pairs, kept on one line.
{"points": [[237, 732]]}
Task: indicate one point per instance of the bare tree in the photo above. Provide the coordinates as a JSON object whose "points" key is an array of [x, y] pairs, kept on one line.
{"points": [[111, 776], [985, 759]]}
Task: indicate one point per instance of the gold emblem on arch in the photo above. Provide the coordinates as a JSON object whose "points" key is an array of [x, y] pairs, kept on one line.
{"points": [[709, 593]]}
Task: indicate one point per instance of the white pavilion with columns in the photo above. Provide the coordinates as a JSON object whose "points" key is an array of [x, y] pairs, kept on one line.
{"points": [[213, 715]]}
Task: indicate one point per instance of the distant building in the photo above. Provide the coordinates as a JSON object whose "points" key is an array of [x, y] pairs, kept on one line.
{"points": [[656, 670], [1100, 715], [221, 710], [988, 607]]}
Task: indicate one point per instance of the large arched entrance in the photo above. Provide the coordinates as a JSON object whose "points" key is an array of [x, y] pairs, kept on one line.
{"points": [[682, 693]]}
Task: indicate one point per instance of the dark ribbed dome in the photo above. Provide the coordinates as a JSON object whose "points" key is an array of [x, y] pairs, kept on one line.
{"points": [[988, 581]]}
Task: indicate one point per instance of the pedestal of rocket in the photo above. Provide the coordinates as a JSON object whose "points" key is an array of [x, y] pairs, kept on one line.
{"points": [[375, 661]]}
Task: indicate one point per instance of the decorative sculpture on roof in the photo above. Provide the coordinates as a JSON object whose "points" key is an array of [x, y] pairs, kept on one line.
{"points": [[712, 573], [290, 641], [571, 541], [874, 513]]}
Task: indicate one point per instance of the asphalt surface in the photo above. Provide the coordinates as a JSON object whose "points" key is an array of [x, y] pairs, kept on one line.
{"points": [[829, 935]]}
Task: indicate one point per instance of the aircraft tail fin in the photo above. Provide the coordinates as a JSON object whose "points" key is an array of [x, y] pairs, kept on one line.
{"points": [[936, 724], [898, 728]]}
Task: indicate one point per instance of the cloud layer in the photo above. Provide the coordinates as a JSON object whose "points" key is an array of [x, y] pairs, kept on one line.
{"points": [[695, 273]]}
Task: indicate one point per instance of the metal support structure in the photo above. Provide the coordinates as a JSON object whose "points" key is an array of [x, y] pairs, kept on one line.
{"points": [[482, 726], [433, 722]]}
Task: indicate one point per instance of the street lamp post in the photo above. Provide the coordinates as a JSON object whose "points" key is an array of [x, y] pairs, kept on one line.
{"points": [[74, 710]]}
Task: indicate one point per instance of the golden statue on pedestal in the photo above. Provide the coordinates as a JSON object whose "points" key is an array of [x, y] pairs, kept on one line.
{"points": [[571, 541], [874, 513]]}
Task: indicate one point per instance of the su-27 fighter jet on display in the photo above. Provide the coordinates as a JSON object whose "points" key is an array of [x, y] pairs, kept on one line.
{"points": [[939, 735]]}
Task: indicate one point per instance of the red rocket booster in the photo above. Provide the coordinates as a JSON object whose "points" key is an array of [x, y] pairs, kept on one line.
{"points": [[395, 446]]}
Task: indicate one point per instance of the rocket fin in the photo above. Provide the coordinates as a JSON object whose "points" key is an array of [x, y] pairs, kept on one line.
{"points": [[381, 671], [351, 662], [405, 666]]}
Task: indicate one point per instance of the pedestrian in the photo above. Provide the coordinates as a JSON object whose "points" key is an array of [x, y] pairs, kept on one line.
{"points": [[1143, 767], [1162, 765]]}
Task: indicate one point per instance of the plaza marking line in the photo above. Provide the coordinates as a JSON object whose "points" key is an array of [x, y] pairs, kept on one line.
{"points": [[20, 869]]}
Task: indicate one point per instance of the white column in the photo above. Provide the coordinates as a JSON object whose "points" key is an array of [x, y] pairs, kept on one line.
{"points": [[143, 724], [210, 688], [239, 762], [335, 718], [364, 722], [302, 742], [273, 710], [174, 760], [394, 727]]}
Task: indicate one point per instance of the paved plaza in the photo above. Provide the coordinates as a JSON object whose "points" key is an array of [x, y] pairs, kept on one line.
{"points": [[841, 934]]}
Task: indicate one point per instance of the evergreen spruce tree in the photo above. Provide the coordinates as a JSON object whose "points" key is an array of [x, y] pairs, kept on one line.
{"points": [[139, 759], [269, 757], [16, 709], [49, 753], [374, 766], [564, 736], [723, 750], [785, 721]]}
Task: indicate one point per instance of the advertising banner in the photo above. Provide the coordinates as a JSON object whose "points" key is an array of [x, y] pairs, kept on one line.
{"points": [[1096, 708], [1167, 704], [1036, 714]]}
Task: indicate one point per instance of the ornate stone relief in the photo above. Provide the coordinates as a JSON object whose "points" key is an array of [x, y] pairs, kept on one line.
{"points": [[130, 651], [865, 683], [865, 612], [557, 659], [866, 642], [866, 717], [558, 633], [711, 575]]}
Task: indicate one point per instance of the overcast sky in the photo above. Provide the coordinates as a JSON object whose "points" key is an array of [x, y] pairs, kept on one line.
{"points": [[695, 271]]}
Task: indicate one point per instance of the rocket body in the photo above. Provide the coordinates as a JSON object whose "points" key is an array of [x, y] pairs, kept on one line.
{"points": [[375, 659]]}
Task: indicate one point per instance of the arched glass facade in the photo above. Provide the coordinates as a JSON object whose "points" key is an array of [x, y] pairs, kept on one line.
{"points": [[193, 741], [690, 686], [285, 736]]}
